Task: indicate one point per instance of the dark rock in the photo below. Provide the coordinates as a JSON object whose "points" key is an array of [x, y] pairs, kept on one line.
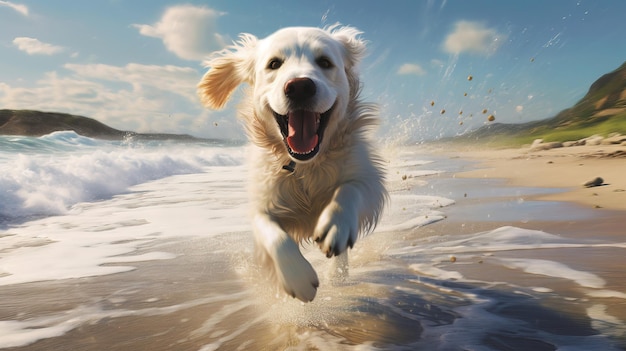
{"points": [[595, 182], [593, 140], [545, 146], [614, 139]]}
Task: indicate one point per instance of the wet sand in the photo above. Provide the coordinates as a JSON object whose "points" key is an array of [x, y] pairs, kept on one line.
{"points": [[553, 182], [210, 297], [567, 168]]}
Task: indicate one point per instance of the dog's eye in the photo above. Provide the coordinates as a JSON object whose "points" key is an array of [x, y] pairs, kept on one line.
{"points": [[324, 62], [274, 64]]}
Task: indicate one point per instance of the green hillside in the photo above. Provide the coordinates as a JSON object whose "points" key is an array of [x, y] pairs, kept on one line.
{"points": [[37, 123], [601, 111]]}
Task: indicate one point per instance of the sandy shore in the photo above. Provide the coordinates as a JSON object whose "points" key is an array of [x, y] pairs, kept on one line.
{"points": [[525, 274], [585, 212], [567, 168]]}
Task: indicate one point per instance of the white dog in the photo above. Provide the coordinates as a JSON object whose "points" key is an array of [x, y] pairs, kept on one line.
{"points": [[314, 173]]}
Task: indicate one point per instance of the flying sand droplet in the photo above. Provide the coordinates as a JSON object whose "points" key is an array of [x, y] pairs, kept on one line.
{"points": [[443, 111], [491, 118], [470, 77], [484, 111], [465, 94], [432, 103]]}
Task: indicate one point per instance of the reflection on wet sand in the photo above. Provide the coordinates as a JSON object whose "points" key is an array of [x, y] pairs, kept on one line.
{"points": [[210, 302], [507, 288]]}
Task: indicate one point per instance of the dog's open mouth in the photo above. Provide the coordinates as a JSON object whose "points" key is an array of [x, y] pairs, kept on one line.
{"points": [[303, 132]]}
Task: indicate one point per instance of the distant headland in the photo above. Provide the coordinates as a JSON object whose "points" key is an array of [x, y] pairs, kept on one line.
{"points": [[38, 123]]}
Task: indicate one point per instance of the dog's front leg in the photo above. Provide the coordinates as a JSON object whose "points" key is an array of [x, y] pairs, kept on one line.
{"points": [[339, 268], [338, 225], [294, 272]]}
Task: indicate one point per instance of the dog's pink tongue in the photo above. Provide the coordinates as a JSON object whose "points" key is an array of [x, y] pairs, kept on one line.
{"points": [[303, 126]]}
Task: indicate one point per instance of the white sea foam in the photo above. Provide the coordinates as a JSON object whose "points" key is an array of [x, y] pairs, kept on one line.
{"points": [[420, 173], [431, 270], [193, 191], [556, 270], [20, 333], [409, 211], [59, 170], [601, 319], [94, 234], [607, 294], [542, 289], [501, 239]]}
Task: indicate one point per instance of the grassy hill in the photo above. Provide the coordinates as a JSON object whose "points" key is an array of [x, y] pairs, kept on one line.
{"points": [[601, 111], [37, 123]]}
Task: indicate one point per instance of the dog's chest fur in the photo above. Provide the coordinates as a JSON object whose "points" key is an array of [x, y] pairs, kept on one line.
{"points": [[296, 199]]}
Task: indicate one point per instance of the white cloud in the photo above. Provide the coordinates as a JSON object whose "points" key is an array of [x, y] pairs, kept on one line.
{"points": [[411, 68], [33, 46], [473, 37], [176, 80], [186, 30], [142, 98], [437, 63], [17, 7]]}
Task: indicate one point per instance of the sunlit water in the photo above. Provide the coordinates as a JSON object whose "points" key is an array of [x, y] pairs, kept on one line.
{"points": [[147, 246]]}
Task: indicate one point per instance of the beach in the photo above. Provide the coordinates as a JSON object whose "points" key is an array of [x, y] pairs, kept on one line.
{"points": [[465, 258], [554, 181], [565, 167]]}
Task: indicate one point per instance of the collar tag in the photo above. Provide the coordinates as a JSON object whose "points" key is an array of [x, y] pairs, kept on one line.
{"points": [[291, 167]]}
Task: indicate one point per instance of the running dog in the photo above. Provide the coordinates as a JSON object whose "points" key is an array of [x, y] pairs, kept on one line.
{"points": [[315, 174]]}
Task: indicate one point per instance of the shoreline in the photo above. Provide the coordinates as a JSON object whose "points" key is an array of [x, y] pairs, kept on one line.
{"points": [[189, 281], [507, 182], [537, 190], [566, 169]]}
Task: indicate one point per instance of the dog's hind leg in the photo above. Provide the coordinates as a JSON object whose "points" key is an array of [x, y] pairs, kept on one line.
{"points": [[295, 274]]}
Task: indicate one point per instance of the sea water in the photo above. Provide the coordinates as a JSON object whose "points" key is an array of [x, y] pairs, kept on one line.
{"points": [[130, 244], [48, 175]]}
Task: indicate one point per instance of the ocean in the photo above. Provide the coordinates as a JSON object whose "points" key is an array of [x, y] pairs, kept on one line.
{"points": [[146, 245]]}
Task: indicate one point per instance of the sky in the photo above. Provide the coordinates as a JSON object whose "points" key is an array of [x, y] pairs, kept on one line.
{"points": [[134, 65]]}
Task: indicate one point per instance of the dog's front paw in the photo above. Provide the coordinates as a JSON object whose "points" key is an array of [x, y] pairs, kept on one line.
{"points": [[295, 273], [336, 230]]}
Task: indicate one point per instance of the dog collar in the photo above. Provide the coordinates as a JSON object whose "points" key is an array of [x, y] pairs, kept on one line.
{"points": [[291, 167]]}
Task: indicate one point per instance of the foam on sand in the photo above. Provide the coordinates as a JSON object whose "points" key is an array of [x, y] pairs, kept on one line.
{"points": [[555, 270], [57, 171], [176, 250]]}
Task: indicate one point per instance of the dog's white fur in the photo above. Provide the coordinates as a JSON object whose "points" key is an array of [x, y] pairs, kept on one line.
{"points": [[330, 198]]}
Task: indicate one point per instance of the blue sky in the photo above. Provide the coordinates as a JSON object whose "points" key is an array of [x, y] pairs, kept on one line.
{"points": [[134, 64]]}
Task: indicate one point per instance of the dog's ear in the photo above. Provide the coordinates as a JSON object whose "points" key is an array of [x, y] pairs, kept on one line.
{"points": [[350, 37], [227, 70]]}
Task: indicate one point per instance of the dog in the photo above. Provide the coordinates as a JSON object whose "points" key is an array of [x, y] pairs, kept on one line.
{"points": [[314, 173]]}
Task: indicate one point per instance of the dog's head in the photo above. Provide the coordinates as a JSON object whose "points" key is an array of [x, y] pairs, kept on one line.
{"points": [[302, 82]]}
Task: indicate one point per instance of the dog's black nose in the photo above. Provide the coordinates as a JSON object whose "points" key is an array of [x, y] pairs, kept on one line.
{"points": [[300, 89]]}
